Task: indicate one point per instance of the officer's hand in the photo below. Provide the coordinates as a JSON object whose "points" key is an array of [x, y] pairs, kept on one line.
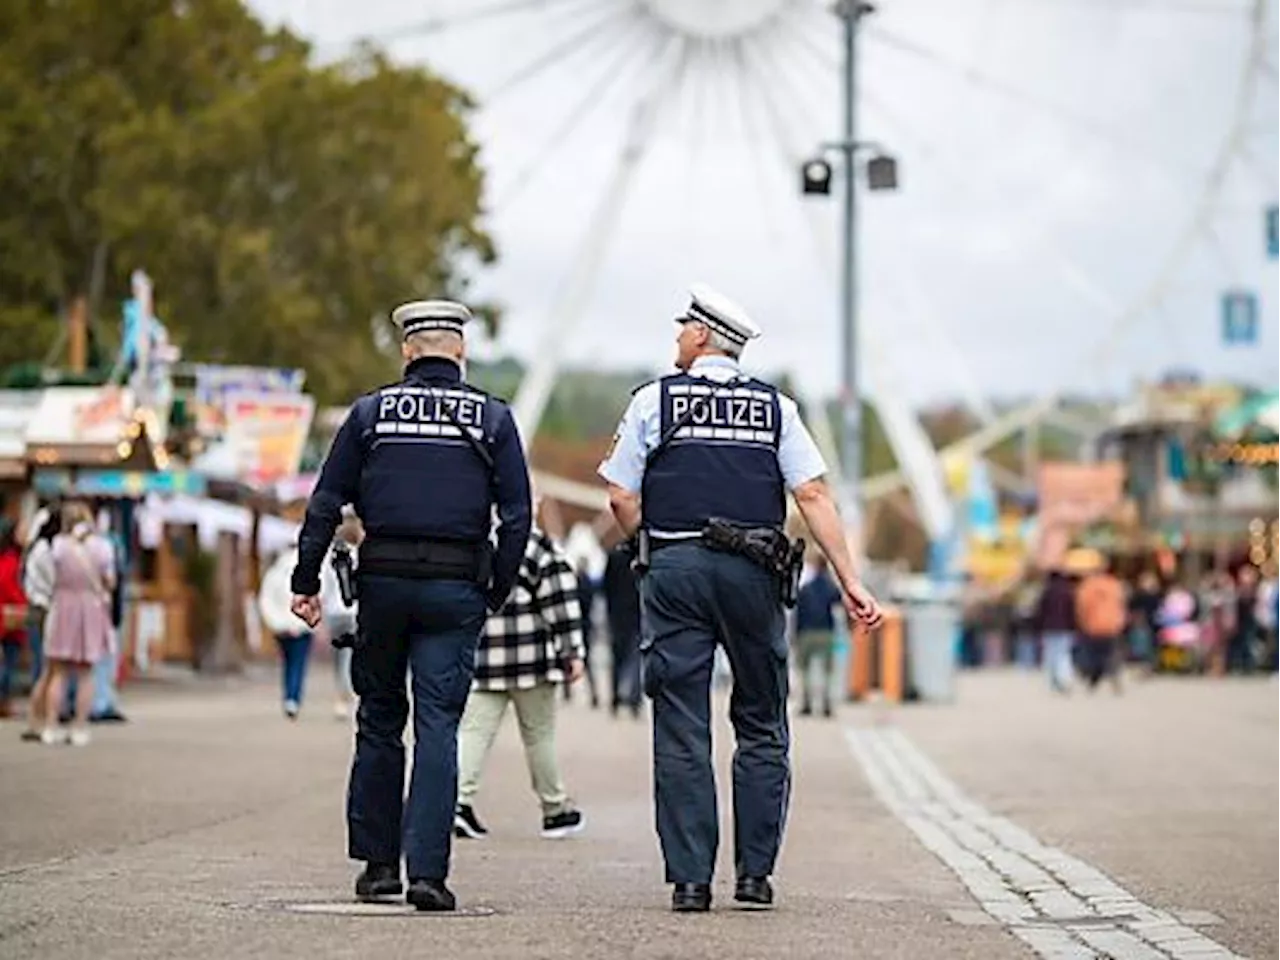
{"points": [[577, 669], [306, 609], [862, 606]]}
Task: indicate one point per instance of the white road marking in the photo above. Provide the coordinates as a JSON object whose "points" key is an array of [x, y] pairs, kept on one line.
{"points": [[1061, 907]]}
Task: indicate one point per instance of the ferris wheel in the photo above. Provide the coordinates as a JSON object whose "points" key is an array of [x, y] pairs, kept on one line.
{"points": [[1018, 126]]}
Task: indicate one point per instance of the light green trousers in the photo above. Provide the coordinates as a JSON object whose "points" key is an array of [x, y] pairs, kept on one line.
{"points": [[536, 715]]}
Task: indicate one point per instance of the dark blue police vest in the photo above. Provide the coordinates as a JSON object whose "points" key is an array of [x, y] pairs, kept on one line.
{"points": [[421, 479], [723, 460]]}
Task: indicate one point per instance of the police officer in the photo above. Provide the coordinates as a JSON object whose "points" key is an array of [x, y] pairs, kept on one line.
{"points": [[708, 442], [424, 462]]}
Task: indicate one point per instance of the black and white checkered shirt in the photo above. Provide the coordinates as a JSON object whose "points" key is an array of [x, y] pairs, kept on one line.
{"points": [[528, 641]]}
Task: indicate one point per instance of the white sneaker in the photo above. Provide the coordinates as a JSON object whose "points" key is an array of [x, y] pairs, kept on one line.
{"points": [[79, 737], [53, 736]]}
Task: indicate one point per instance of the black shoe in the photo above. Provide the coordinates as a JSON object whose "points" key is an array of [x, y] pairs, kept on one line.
{"points": [[109, 715], [562, 824], [467, 824], [431, 895], [378, 880], [691, 897], [828, 711], [754, 890], [806, 711]]}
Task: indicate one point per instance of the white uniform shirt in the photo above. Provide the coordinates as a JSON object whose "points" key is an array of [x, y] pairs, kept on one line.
{"points": [[798, 456]]}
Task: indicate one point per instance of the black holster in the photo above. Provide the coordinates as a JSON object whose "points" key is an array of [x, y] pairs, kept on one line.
{"points": [[427, 560], [767, 547]]}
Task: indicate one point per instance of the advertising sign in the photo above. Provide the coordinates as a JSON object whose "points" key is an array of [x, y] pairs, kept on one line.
{"points": [[266, 433], [1072, 496], [214, 383]]}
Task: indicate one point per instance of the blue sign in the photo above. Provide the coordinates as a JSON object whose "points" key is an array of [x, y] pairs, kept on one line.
{"points": [[1239, 317], [1273, 231], [128, 484]]}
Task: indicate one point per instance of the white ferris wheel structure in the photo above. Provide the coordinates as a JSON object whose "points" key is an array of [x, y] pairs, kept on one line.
{"points": [[762, 76]]}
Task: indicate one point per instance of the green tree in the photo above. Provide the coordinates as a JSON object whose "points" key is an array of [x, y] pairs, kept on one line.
{"points": [[282, 208]]}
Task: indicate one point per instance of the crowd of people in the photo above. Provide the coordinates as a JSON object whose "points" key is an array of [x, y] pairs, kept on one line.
{"points": [[1089, 619]]}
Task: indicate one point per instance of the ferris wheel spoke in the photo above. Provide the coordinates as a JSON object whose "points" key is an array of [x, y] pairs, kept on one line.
{"points": [[464, 18], [1150, 6], [752, 132], [1176, 176], [535, 387], [630, 51], [576, 44]]}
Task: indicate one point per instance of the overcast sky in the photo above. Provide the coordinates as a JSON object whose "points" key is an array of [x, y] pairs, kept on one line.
{"points": [[1027, 221]]}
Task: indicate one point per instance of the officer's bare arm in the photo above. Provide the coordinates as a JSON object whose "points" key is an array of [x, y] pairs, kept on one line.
{"points": [[818, 508], [626, 508]]}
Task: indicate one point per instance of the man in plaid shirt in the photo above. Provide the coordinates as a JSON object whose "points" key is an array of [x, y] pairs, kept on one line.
{"points": [[528, 647]]}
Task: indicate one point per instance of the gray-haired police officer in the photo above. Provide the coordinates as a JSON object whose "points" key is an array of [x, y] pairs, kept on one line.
{"points": [[423, 462], [710, 444]]}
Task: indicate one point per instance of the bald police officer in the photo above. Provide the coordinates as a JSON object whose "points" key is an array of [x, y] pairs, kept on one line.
{"points": [[424, 462], [700, 466]]}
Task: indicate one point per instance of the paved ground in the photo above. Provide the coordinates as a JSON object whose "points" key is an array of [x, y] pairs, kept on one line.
{"points": [[985, 829]]}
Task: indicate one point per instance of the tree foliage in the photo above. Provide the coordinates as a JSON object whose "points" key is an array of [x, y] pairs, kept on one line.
{"points": [[281, 207]]}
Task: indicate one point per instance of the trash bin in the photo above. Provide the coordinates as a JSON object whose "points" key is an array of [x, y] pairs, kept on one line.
{"points": [[931, 649]]}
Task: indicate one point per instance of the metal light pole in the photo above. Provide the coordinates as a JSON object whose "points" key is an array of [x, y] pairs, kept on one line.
{"points": [[850, 12], [882, 174]]}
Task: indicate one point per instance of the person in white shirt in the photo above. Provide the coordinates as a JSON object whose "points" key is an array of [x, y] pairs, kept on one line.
{"points": [[292, 634], [338, 617]]}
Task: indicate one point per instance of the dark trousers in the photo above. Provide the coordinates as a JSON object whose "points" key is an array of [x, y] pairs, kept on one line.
{"points": [[430, 628], [10, 653], [625, 650], [295, 650], [1097, 658], [693, 599]]}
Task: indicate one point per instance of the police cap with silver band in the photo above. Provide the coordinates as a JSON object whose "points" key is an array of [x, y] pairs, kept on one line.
{"points": [[719, 313], [421, 315]]}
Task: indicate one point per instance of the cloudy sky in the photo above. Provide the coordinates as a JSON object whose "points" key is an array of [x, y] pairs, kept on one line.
{"points": [[1054, 153]]}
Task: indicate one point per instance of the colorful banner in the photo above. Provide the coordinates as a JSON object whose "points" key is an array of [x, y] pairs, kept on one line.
{"points": [[266, 434], [128, 484]]}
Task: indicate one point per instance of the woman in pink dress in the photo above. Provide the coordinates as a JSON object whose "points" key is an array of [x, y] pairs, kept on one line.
{"points": [[78, 631]]}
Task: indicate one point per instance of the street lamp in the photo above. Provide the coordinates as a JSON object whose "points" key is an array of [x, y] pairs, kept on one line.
{"points": [[882, 174]]}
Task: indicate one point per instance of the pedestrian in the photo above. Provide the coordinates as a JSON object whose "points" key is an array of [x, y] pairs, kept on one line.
{"points": [[13, 614], [586, 594], [339, 619], [37, 583], [79, 623], [622, 608], [1240, 644], [1056, 623], [1101, 614], [423, 462], [711, 444], [293, 636], [816, 637], [528, 648]]}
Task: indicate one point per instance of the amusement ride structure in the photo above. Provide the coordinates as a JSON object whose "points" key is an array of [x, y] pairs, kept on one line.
{"points": [[779, 76]]}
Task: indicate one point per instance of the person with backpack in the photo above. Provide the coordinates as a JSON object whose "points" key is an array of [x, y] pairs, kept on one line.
{"points": [[1101, 614]]}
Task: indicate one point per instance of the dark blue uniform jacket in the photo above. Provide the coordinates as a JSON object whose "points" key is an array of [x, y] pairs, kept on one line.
{"points": [[401, 460]]}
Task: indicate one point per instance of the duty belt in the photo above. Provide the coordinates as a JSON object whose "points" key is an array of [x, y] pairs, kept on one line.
{"points": [[767, 547], [426, 559]]}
